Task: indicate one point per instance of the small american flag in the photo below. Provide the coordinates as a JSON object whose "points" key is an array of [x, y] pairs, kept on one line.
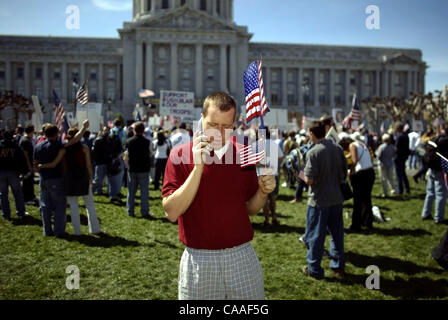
{"points": [[444, 169], [248, 157], [354, 115], [256, 105], [59, 114], [81, 95]]}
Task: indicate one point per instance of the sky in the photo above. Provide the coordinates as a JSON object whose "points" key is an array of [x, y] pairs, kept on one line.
{"points": [[413, 24]]}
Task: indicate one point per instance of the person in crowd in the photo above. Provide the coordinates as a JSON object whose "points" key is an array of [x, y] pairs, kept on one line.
{"points": [[436, 189], [138, 154], [12, 164], [219, 261], [118, 139], [161, 149], [103, 154], [180, 136], [362, 178], [325, 170], [289, 144], [386, 155], [414, 142], [300, 162], [19, 134], [52, 196], [78, 179], [402, 154], [331, 132], [274, 156], [27, 145]]}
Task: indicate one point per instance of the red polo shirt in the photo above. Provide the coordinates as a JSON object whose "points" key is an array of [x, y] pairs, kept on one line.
{"points": [[217, 218]]}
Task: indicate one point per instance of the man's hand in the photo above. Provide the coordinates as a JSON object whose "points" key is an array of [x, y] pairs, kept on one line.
{"points": [[200, 144], [85, 124], [266, 182]]}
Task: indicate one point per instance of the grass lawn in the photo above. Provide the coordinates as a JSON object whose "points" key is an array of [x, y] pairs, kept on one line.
{"points": [[139, 259]]}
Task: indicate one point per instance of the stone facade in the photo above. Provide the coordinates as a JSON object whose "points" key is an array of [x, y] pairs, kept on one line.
{"points": [[194, 45]]}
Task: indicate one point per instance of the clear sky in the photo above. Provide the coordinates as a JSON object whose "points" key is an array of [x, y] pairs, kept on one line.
{"points": [[418, 24]]}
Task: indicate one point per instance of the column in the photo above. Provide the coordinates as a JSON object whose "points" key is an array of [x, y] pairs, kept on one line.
{"points": [[223, 66], [284, 87], [231, 10], [101, 82], [173, 77], [377, 83], [392, 83], [214, 11], [300, 85], [27, 79], [117, 83], [82, 73], [139, 66], [267, 85], [199, 76], [332, 104], [64, 82], [415, 89], [408, 84], [347, 88], [233, 65], [361, 86], [8, 75], [316, 87], [153, 7], [149, 67], [46, 83], [385, 83]]}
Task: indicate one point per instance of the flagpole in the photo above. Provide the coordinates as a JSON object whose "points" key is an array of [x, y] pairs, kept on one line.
{"points": [[442, 157]]}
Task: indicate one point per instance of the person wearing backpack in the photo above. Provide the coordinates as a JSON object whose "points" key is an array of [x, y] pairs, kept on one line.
{"points": [[436, 189]]}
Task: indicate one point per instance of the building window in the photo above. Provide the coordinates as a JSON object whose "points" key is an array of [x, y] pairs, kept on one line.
{"points": [[149, 4], [92, 94], [111, 94], [203, 5], [161, 73], [38, 73], [186, 73], [111, 73], [93, 74], [337, 77], [75, 76], [165, 4], [210, 74], [291, 77], [182, 2], [20, 73], [352, 79], [218, 6], [57, 73], [2, 74]]}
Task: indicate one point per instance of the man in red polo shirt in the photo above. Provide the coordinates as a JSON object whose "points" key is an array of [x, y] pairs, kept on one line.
{"points": [[212, 198]]}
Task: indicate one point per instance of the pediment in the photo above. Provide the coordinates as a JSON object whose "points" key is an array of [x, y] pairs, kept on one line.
{"points": [[402, 59], [186, 18]]}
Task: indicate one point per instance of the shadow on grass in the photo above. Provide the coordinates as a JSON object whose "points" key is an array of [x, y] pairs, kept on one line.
{"points": [[282, 228], [399, 232], [388, 264], [413, 288], [279, 215], [103, 241], [27, 221]]}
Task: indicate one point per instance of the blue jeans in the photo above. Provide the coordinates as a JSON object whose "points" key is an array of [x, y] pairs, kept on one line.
{"points": [[116, 182], [318, 221], [435, 190], [100, 173], [402, 178], [136, 179], [53, 200], [11, 178]]}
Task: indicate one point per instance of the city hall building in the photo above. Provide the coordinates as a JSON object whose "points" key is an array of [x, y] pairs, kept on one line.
{"points": [[195, 45]]}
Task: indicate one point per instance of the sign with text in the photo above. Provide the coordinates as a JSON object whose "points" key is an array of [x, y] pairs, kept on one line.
{"points": [[179, 104]]}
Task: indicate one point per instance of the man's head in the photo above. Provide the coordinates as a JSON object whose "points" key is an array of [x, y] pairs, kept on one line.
{"points": [[317, 131], [50, 131], [327, 122], [118, 123], [139, 128], [29, 130], [386, 138], [19, 130], [71, 133], [219, 113], [399, 127]]}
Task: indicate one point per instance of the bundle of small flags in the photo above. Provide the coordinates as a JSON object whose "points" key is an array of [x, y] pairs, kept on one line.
{"points": [[82, 96]]}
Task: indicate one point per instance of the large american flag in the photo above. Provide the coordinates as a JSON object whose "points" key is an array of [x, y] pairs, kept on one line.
{"points": [[81, 95], [256, 105], [444, 169], [59, 114], [252, 154], [354, 115]]}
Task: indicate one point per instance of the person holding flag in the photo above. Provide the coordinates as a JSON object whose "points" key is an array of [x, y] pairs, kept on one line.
{"points": [[437, 186], [212, 204]]}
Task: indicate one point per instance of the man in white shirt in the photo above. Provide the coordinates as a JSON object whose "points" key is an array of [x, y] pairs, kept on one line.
{"points": [[414, 142]]}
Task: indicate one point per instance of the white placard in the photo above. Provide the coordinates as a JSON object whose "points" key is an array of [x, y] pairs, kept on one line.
{"points": [[37, 118], [178, 104]]}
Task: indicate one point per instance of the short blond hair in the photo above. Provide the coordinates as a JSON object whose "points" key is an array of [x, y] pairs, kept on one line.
{"points": [[221, 100]]}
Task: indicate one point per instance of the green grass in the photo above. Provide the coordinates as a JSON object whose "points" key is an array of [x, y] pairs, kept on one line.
{"points": [[139, 259]]}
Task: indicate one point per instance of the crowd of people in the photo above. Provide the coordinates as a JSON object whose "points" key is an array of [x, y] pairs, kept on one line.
{"points": [[316, 161]]}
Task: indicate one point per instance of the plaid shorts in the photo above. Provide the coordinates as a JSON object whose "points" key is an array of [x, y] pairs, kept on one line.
{"points": [[228, 274]]}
